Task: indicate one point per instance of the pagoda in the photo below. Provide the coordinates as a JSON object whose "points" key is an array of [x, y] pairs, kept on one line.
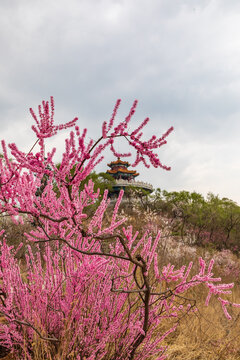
{"points": [[125, 178], [119, 170]]}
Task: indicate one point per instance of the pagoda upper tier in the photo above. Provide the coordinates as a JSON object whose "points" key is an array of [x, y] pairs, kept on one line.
{"points": [[119, 170]]}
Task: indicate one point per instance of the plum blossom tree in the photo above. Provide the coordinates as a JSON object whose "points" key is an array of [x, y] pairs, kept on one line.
{"points": [[73, 299]]}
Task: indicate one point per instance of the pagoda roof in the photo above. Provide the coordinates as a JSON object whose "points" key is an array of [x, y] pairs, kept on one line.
{"points": [[118, 162], [123, 170]]}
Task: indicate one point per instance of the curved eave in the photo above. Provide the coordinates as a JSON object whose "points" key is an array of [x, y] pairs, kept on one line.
{"points": [[123, 171]]}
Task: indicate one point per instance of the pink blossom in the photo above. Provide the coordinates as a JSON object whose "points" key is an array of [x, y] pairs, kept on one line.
{"points": [[45, 125]]}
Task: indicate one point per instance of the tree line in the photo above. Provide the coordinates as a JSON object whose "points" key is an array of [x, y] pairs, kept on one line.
{"points": [[211, 221]]}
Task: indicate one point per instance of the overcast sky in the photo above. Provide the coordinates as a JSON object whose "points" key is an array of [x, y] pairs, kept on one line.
{"points": [[179, 58]]}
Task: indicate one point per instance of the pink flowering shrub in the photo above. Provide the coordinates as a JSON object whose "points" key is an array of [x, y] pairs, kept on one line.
{"points": [[228, 264], [75, 298]]}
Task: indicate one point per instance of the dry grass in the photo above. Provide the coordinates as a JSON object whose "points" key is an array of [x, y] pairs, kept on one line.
{"points": [[206, 334]]}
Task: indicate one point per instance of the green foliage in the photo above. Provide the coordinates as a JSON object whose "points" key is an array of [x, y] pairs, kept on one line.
{"points": [[212, 220], [102, 181], [132, 192]]}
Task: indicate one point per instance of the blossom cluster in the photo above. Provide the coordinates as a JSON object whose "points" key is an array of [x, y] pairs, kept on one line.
{"points": [[45, 127], [144, 149]]}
